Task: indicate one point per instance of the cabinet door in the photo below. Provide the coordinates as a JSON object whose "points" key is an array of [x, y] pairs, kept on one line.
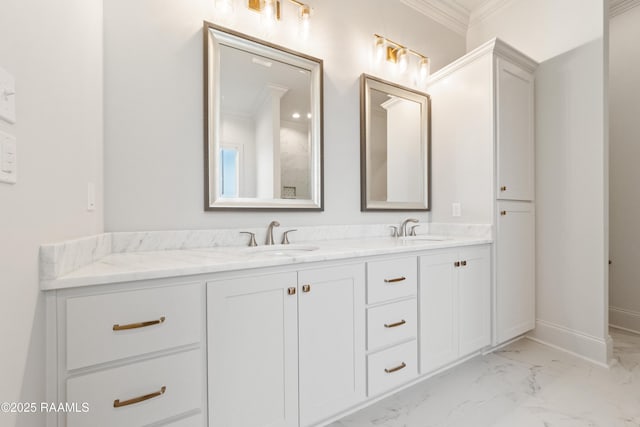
{"points": [[253, 351], [438, 295], [515, 127], [474, 301], [515, 275], [331, 341]]}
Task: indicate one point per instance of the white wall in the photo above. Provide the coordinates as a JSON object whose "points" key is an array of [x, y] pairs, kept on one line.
{"points": [[54, 49], [153, 104], [540, 28], [571, 244], [625, 173]]}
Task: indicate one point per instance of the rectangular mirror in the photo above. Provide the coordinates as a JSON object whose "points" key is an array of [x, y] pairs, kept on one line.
{"points": [[395, 133], [263, 124]]}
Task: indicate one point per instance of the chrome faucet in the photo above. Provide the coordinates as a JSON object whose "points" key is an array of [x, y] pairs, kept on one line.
{"points": [[403, 227], [270, 232]]}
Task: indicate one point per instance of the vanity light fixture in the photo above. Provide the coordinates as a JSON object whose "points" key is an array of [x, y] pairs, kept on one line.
{"points": [[296, 115], [399, 54], [272, 10]]}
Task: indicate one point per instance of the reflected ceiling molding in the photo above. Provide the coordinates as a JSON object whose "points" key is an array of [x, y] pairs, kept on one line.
{"points": [[617, 7]]}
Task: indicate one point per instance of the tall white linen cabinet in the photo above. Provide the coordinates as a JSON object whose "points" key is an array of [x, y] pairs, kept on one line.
{"points": [[483, 158]]}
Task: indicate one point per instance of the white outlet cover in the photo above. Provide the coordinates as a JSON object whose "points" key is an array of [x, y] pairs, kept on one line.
{"points": [[7, 96]]}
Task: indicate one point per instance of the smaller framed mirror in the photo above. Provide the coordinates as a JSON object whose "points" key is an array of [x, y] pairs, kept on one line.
{"points": [[263, 124], [395, 140]]}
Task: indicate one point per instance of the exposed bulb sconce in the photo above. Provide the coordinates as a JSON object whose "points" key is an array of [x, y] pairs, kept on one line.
{"points": [[398, 54], [272, 10]]}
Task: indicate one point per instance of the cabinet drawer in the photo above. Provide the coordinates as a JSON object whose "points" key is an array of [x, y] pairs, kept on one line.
{"points": [[391, 279], [180, 375], [392, 367], [391, 323], [106, 327]]}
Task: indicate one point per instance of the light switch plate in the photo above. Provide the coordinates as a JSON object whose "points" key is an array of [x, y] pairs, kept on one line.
{"points": [[7, 97], [8, 159], [456, 209]]}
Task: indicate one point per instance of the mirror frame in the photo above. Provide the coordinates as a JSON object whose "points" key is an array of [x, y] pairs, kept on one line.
{"points": [[214, 34], [368, 82]]}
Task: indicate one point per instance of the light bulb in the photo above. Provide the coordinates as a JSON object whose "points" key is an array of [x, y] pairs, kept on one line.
{"points": [[296, 115], [379, 48], [269, 13], [424, 68], [305, 19], [403, 60]]}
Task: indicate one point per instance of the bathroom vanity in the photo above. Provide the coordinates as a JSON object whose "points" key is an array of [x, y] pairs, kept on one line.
{"points": [[300, 334]]}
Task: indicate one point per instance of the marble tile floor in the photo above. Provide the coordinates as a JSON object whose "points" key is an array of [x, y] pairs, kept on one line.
{"points": [[526, 384]]}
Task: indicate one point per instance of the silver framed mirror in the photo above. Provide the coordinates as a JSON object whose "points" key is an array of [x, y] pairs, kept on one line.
{"points": [[395, 144], [263, 124]]}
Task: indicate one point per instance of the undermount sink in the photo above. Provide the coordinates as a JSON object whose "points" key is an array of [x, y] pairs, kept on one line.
{"points": [[425, 238], [282, 249]]}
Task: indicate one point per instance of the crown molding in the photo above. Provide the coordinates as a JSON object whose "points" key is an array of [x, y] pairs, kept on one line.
{"points": [[486, 9], [447, 13], [495, 47], [617, 7]]}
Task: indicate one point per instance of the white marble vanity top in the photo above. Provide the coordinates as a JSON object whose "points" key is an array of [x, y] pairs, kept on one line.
{"points": [[141, 265]]}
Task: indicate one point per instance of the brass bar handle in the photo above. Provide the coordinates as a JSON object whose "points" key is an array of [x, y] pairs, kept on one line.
{"points": [[117, 327], [118, 404], [306, 288], [463, 263], [291, 291], [396, 280], [395, 325], [397, 368]]}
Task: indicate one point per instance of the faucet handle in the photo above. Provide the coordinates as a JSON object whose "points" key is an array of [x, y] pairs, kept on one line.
{"points": [[252, 239], [394, 230], [413, 230], [285, 237]]}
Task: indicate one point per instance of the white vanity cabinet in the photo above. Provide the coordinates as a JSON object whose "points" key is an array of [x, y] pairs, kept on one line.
{"points": [[133, 352], [454, 305], [285, 342]]}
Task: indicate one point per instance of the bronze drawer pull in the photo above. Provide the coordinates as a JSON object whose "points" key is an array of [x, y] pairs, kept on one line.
{"points": [[291, 291], [393, 325], [463, 263], [139, 325], [306, 288], [396, 280], [397, 368], [118, 404]]}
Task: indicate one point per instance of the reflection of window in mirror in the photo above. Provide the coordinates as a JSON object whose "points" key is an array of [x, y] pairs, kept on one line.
{"points": [[230, 172]]}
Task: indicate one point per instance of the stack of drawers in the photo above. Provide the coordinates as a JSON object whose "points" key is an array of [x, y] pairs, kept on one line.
{"points": [[392, 327], [135, 357]]}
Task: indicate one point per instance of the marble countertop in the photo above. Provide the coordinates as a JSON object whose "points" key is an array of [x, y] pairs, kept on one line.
{"points": [[142, 265]]}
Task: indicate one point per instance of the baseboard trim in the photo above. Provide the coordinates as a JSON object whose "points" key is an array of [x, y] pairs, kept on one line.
{"points": [[627, 320], [579, 344]]}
